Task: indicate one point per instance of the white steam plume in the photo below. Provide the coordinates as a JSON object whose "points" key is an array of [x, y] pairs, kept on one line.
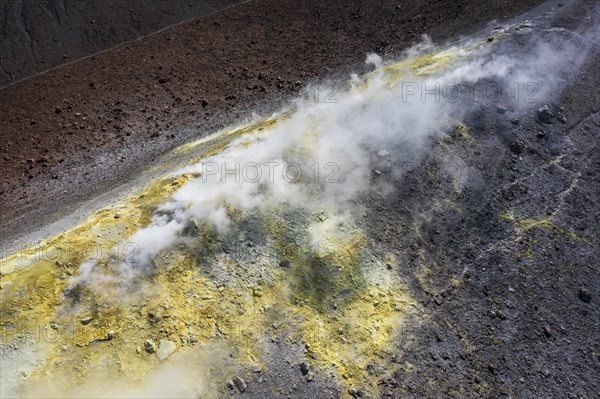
{"points": [[333, 138]]}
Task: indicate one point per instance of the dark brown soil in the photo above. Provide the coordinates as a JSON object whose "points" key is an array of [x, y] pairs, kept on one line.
{"points": [[72, 132], [36, 36]]}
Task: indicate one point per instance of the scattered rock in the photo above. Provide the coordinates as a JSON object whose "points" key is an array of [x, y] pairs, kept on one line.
{"points": [[86, 320], [355, 392], [240, 384], [501, 110], [153, 316], [149, 346], [516, 146], [117, 216], [310, 376], [541, 134], [547, 332], [585, 295], [304, 368], [284, 263], [110, 335], [545, 114], [165, 349]]}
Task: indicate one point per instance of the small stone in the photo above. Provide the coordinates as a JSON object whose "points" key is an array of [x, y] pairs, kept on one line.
{"points": [[541, 134], [284, 263], [204, 102], [545, 114], [310, 376], [383, 153], [110, 335], [516, 147], [490, 39], [355, 392], [546, 373], [117, 216], [501, 110], [240, 384], [165, 349], [547, 332], [585, 295], [304, 368], [149, 346], [86, 320]]}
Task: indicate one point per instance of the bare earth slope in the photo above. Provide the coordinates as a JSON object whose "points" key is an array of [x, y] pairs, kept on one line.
{"points": [[36, 36]]}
